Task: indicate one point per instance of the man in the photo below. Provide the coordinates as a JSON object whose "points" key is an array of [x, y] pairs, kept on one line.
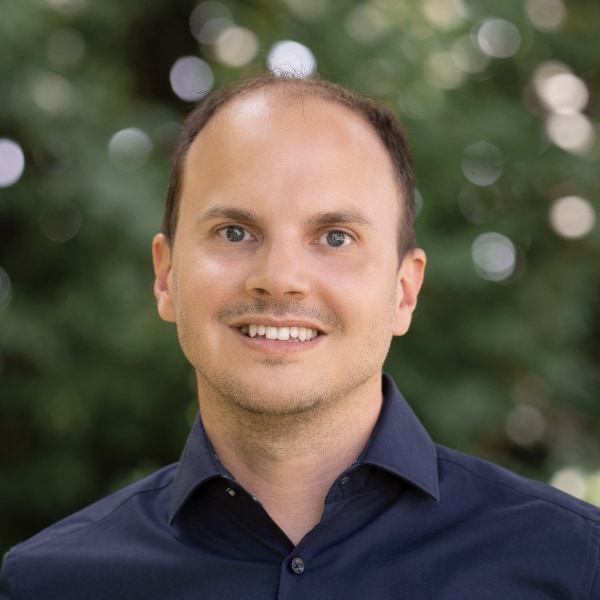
{"points": [[287, 262]]}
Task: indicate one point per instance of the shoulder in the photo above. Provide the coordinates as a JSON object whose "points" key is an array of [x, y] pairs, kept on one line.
{"points": [[125, 503], [62, 560], [483, 482], [522, 524]]}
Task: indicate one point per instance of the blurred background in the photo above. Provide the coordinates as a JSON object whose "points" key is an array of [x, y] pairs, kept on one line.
{"points": [[501, 101]]}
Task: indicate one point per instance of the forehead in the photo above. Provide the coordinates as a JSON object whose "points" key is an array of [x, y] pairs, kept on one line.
{"points": [[271, 144], [279, 116]]}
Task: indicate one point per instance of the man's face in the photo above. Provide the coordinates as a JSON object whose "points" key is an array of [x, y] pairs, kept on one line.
{"points": [[283, 278]]}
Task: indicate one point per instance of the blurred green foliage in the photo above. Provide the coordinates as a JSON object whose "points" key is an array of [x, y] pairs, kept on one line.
{"points": [[94, 391]]}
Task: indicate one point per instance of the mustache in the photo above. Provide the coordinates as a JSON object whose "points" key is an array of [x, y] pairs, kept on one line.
{"points": [[290, 309]]}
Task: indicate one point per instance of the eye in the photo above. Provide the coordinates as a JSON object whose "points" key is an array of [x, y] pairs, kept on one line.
{"points": [[235, 234], [336, 239]]}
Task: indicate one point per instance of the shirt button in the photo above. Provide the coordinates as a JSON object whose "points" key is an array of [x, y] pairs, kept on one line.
{"points": [[297, 565]]}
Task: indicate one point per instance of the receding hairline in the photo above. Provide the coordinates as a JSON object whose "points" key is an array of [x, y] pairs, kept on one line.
{"points": [[275, 104]]}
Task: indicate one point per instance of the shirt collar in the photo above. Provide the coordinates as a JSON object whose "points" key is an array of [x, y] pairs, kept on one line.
{"points": [[399, 445], [197, 465]]}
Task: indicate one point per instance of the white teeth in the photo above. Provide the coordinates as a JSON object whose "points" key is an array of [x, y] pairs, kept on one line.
{"points": [[302, 334]]}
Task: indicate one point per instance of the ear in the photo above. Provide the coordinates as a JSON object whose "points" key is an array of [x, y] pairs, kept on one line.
{"points": [[410, 279], [161, 258]]}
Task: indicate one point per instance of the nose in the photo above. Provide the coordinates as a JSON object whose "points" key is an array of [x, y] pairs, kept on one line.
{"points": [[279, 271]]}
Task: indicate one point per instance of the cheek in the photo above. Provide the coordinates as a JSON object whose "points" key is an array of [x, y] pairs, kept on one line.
{"points": [[207, 288], [362, 291], [208, 275]]}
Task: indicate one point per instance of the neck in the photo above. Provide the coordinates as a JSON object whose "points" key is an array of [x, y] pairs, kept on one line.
{"points": [[290, 461]]}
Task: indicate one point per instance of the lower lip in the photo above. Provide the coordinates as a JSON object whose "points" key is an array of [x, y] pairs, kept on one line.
{"points": [[276, 346]]}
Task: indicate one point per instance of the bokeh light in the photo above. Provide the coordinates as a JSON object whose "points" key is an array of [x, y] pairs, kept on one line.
{"points": [[564, 96], [576, 482], [571, 132], [562, 93], [191, 78], [418, 203], [129, 149], [65, 47], [544, 71], [5, 290], [12, 162], [441, 14], [53, 93], [291, 58], [442, 71], [498, 38], [421, 101], [209, 20], [60, 224], [525, 425], [572, 217], [494, 256], [546, 15], [365, 22], [482, 163], [570, 480], [236, 46], [592, 492], [307, 10], [468, 56]]}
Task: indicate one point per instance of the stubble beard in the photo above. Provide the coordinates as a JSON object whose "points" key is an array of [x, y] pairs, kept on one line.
{"points": [[297, 424], [281, 415], [290, 420]]}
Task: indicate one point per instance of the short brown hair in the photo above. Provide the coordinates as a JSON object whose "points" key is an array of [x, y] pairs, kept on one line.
{"points": [[379, 116]]}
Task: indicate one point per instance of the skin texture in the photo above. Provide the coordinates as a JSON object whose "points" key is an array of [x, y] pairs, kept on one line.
{"points": [[265, 185]]}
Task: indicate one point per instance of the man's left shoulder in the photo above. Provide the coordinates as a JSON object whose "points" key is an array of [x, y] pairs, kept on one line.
{"points": [[497, 486]]}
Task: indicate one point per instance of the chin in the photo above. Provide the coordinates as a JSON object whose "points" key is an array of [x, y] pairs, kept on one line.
{"points": [[274, 398], [281, 406]]}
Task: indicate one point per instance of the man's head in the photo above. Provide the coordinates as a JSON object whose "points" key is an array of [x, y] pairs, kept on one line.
{"points": [[283, 276], [378, 116]]}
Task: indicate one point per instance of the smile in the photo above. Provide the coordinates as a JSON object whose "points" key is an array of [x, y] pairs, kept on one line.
{"points": [[297, 334]]}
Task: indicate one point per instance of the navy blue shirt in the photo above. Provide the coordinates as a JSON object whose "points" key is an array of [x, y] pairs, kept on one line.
{"points": [[409, 520]]}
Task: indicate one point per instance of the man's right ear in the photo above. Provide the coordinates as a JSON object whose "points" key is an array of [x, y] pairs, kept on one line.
{"points": [[161, 258]]}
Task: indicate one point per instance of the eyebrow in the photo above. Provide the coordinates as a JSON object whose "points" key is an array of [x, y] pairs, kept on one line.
{"points": [[230, 213], [345, 216]]}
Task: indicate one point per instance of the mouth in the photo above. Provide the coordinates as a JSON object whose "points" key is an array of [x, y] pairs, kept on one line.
{"points": [[284, 334]]}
